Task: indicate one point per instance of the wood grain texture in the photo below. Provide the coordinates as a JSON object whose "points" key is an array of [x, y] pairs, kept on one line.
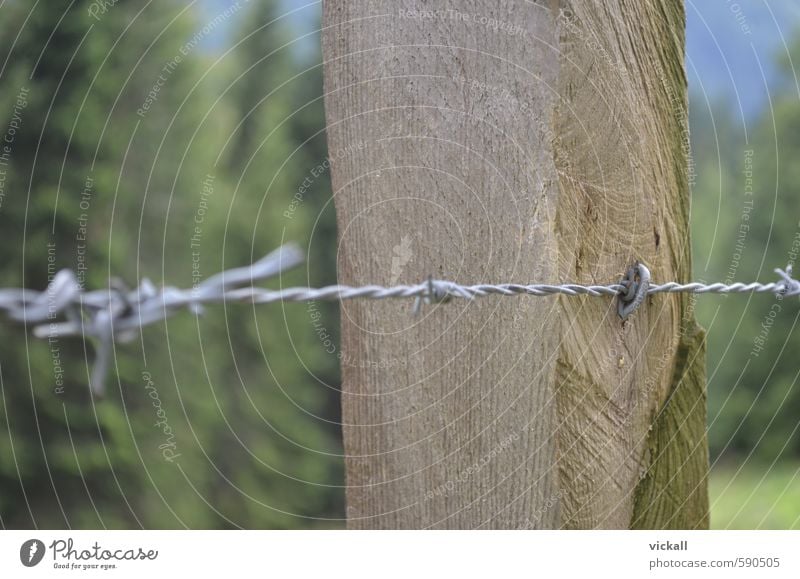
{"points": [[512, 141]]}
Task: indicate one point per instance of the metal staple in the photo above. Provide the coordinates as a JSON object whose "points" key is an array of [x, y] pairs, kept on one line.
{"points": [[117, 314]]}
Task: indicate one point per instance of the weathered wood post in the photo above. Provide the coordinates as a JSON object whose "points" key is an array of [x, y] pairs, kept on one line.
{"points": [[527, 142]]}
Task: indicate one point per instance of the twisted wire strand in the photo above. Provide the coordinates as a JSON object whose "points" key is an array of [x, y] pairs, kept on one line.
{"points": [[64, 309]]}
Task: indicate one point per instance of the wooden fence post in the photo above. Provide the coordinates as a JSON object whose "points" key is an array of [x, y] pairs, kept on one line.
{"points": [[515, 142]]}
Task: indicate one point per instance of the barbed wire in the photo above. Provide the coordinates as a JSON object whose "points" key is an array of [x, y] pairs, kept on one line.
{"points": [[117, 313]]}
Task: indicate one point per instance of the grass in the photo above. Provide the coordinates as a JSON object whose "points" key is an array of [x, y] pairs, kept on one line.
{"points": [[752, 497]]}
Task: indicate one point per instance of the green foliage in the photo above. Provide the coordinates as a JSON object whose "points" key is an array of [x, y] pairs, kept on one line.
{"points": [[751, 497], [745, 224], [171, 164]]}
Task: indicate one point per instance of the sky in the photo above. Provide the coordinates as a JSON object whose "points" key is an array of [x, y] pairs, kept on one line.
{"points": [[732, 46], [733, 49]]}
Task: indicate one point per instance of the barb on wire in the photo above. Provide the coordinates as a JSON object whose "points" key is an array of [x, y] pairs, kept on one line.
{"points": [[117, 314]]}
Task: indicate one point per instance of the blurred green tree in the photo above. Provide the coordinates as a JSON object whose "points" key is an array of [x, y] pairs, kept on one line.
{"points": [[745, 224], [121, 165]]}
